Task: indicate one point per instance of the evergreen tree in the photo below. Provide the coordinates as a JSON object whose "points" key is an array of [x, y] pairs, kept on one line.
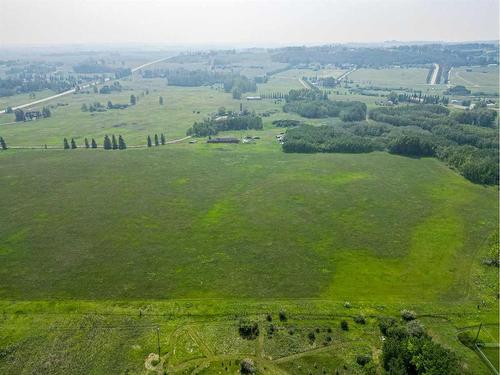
{"points": [[107, 143], [3, 145], [93, 143], [149, 141], [66, 144], [46, 112], [121, 143], [114, 144], [110, 104], [19, 115], [161, 100], [157, 142], [133, 99], [86, 143], [73, 143], [162, 139]]}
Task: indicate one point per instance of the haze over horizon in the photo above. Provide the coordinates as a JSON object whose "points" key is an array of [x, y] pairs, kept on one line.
{"points": [[252, 22]]}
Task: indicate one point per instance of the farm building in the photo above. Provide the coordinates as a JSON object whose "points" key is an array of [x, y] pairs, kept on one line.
{"points": [[224, 140], [254, 98]]}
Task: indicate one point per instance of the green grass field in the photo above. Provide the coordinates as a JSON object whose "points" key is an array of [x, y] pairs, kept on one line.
{"points": [[391, 77], [99, 249], [148, 214], [477, 79]]}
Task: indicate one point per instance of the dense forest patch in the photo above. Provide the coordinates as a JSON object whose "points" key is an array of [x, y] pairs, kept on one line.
{"points": [[467, 141]]}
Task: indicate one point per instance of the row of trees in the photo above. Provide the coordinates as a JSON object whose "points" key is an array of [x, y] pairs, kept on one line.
{"points": [[157, 140], [417, 98], [346, 110], [287, 123], [309, 139], [314, 103], [213, 125], [429, 116], [108, 144], [236, 84]]}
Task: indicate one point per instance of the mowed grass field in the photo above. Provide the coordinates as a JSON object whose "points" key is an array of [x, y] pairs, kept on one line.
{"points": [[477, 78], [395, 78], [168, 222]]}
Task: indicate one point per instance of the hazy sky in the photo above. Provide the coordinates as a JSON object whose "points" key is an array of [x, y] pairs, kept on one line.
{"points": [[246, 22]]}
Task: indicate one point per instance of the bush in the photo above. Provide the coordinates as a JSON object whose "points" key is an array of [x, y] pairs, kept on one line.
{"points": [[247, 366], [282, 316], [271, 329], [360, 319], [248, 330], [415, 328], [385, 323], [408, 315], [344, 325], [363, 359], [311, 336]]}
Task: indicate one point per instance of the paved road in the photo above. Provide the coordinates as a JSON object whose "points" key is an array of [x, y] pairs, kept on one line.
{"points": [[81, 87], [303, 83], [434, 74], [346, 74]]}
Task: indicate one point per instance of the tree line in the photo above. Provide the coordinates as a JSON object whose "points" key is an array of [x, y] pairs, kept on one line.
{"points": [[417, 98], [29, 83], [417, 131], [212, 125], [94, 67], [315, 104], [312, 139], [109, 143], [161, 140], [412, 55]]}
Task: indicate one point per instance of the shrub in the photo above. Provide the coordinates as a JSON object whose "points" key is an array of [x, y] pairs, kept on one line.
{"points": [[363, 359], [344, 325], [282, 315], [415, 328], [347, 304], [408, 315], [311, 336], [385, 323], [271, 329], [360, 319], [269, 317], [247, 366], [248, 330]]}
